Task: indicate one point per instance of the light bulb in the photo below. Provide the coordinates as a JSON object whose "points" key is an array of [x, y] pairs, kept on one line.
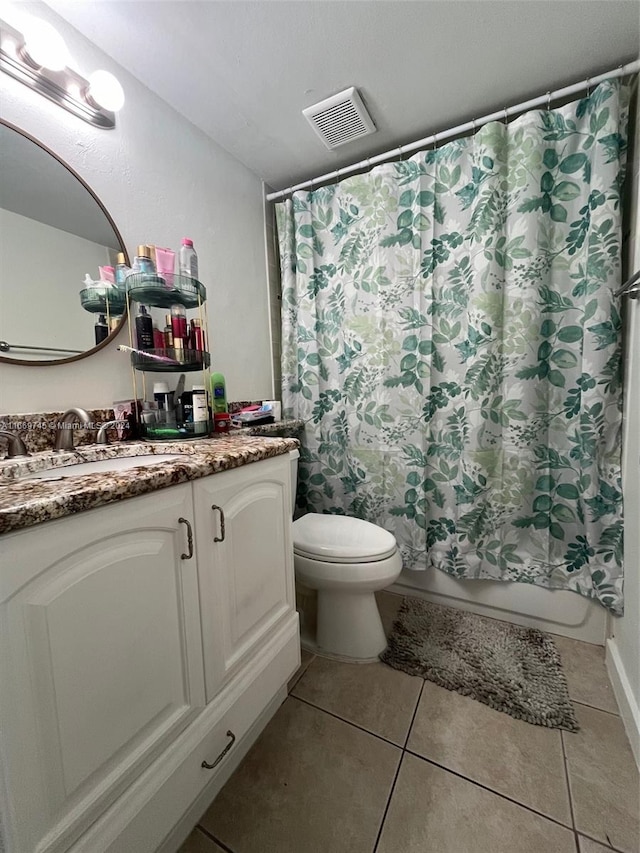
{"points": [[45, 46], [106, 91]]}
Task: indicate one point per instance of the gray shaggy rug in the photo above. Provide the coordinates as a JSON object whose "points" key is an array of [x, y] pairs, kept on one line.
{"points": [[512, 669]]}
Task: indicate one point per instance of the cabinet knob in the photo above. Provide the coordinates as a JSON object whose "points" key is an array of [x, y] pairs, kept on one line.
{"points": [[189, 539], [220, 538], [208, 766]]}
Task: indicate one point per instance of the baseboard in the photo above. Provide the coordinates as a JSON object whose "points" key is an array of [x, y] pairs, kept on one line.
{"points": [[189, 820], [629, 710]]}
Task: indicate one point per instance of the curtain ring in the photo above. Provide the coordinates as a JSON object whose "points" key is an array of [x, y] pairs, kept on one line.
{"points": [[588, 87], [311, 182], [400, 152], [548, 100], [369, 166], [338, 175], [506, 117], [435, 141]]}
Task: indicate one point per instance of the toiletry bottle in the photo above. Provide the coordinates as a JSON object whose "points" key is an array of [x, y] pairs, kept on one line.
{"points": [[165, 265], [168, 333], [143, 260], [200, 409], [196, 336], [179, 324], [178, 350], [218, 393], [144, 329], [164, 399], [188, 259], [107, 274], [101, 329], [121, 271], [186, 402], [158, 338]]}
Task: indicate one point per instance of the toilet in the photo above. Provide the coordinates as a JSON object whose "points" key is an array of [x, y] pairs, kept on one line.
{"points": [[346, 560]]}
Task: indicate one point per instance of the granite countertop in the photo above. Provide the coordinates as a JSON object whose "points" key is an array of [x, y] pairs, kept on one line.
{"points": [[26, 502], [288, 428]]}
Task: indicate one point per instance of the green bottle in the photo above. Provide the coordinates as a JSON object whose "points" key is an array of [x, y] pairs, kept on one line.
{"points": [[218, 393]]}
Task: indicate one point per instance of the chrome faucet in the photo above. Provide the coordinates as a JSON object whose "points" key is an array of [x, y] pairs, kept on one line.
{"points": [[64, 436], [15, 445]]}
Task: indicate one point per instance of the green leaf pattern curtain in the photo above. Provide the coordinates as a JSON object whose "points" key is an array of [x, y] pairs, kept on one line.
{"points": [[451, 337]]}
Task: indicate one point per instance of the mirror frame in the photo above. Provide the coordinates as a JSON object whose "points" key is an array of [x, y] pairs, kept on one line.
{"points": [[53, 362]]}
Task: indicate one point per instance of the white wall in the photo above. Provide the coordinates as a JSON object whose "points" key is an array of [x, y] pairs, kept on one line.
{"points": [[161, 179], [623, 649], [41, 275]]}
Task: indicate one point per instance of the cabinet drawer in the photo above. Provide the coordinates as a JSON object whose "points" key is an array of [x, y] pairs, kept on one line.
{"points": [[159, 799]]}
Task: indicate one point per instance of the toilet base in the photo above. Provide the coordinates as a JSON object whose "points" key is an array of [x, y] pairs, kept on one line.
{"points": [[310, 645], [349, 625]]}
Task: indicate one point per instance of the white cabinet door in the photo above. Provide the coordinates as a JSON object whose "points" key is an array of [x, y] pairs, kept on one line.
{"points": [[245, 562], [100, 659]]}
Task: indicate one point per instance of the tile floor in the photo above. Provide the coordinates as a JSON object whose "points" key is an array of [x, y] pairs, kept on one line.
{"points": [[366, 759]]}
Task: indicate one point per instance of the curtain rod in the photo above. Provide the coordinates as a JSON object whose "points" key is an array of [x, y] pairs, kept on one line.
{"points": [[543, 100]]}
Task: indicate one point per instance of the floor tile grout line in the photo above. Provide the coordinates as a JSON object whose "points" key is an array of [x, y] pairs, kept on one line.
{"points": [[436, 764], [348, 722], [490, 790], [601, 843], [388, 803], [565, 764], [415, 713], [404, 749], [402, 755], [215, 840], [594, 707]]}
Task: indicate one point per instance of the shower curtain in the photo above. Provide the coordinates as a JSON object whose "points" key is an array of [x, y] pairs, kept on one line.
{"points": [[451, 337]]}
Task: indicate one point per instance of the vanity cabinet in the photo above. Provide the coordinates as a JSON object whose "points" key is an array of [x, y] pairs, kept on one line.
{"points": [[245, 554], [135, 650]]}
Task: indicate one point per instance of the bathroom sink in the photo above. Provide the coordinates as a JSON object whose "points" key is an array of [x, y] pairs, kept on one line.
{"points": [[102, 466]]}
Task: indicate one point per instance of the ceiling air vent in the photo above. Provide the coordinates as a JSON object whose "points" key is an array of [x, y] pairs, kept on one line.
{"points": [[340, 118]]}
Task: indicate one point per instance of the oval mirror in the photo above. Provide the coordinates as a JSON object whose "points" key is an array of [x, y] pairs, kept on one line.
{"points": [[53, 231]]}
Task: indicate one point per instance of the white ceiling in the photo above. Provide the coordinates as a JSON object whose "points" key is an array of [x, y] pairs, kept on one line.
{"points": [[243, 71]]}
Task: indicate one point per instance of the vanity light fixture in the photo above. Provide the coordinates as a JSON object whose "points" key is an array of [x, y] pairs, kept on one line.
{"points": [[39, 58]]}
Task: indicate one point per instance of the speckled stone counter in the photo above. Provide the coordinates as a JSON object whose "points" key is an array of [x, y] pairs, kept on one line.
{"points": [[25, 502], [290, 428]]}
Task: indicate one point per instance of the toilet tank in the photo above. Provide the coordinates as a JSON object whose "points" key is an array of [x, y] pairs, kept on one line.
{"points": [[294, 455]]}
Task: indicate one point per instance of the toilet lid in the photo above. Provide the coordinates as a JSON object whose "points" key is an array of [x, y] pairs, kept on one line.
{"points": [[340, 539]]}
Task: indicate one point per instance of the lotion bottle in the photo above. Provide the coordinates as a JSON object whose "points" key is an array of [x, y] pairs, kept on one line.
{"points": [[218, 393]]}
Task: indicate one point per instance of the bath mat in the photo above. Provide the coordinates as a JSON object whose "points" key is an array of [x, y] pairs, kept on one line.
{"points": [[512, 669]]}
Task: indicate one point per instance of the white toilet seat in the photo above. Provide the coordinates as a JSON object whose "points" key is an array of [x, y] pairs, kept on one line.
{"points": [[341, 539]]}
